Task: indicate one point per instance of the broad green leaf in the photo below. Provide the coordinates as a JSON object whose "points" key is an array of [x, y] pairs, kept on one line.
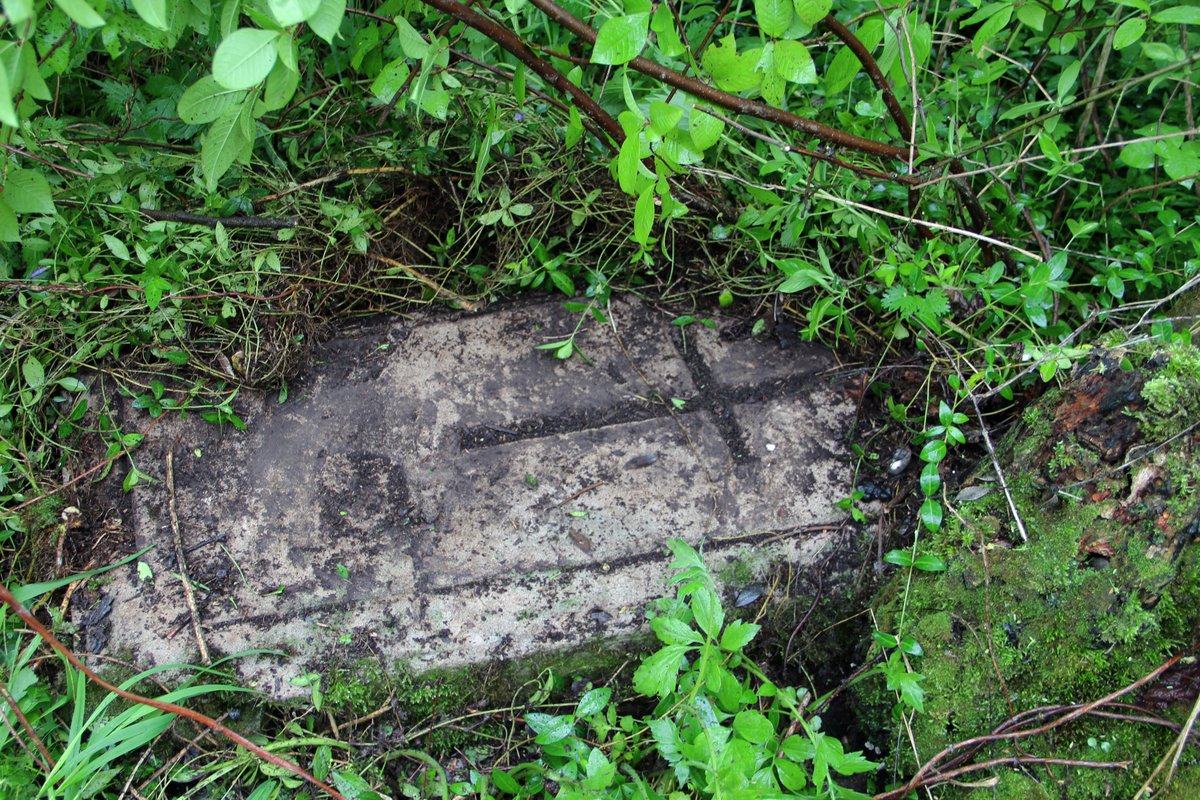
{"points": [[411, 41], [1067, 78], [621, 39], [1129, 32], [793, 62], [933, 451], [1032, 15], [17, 11], [116, 247], [155, 286], [154, 12], [223, 144], [643, 216], [1180, 15], [737, 635], [664, 117], [292, 12], [774, 16], [706, 607], [773, 88], [931, 481], [988, 30], [28, 192], [81, 13], [289, 53], [666, 34], [390, 79], [245, 58], [900, 558], [593, 702], [205, 100], [931, 514], [674, 631], [34, 84], [752, 726], [811, 12], [705, 129], [8, 112], [658, 674], [901, 680], [34, 373], [550, 728], [929, 563], [1181, 162], [328, 19], [280, 86], [9, 231], [628, 164], [733, 71], [574, 130]]}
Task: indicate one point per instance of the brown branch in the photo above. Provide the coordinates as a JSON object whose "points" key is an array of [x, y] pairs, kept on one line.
{"points": [[29, 619], [510, 42], [919, 779], [46, 763], [180, 560], [269, 223], [741, 105], [872, 68]]}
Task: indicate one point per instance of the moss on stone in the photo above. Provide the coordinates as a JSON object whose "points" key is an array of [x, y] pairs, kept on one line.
{"points": [[1106, 588]]}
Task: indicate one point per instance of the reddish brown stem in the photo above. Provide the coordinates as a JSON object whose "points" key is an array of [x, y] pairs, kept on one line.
{"points": [[171, 708], [868, 61], [510, 42], [741, 105]]}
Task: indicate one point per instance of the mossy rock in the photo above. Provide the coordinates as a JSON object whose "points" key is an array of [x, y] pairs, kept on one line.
{"points": [[1104, 473]]}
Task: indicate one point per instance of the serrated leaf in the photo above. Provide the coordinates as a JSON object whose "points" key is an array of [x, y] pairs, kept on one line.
{"points": [[81, 13], [245, 58], [621, 39], [705, 129], [222, 145], [328, 19], [674, 631], [732, 71], [27, 191], [154, 12], [752, 726], [658, 674], [292, 12], [706, 607], [205, 100], [155, 286], [774, 16], [793, 62], [737, 635], [666, 35]]}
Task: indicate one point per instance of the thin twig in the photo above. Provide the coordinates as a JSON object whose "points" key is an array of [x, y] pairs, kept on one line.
{"points": [[180, 562], [48, 760], [29, 619], [464, 303], [266, 223]]}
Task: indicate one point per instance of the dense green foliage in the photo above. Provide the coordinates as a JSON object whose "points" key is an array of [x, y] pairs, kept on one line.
{"points": [[983, 186]]}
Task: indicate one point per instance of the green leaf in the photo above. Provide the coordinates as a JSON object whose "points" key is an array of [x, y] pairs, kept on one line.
{"points": [[753, 727], [733, 71], [737, 635], [931, 481], [931, 514], [593, 702], [793, 62], [811, 12], [628, 164], [643, 216], [280, 86], [933, 451], [328, 19], [9, 230], [292, 12], [988, 30], [411, 41], [1067, 78], [205, 100], [18, 11], [8, 112], [1129, 32], [899, 558], [574, 131], [245, 58], [34, 373], [155, 286], [222, 145], [505, 782], [907, 683], [705, 129], [550, 728], [154, 12], [116, 247], [81, 13], [390, 79], [774, 16], [666, 34], [674, 631], [664, 117], [1032, 15], [1178, 15], [706, 607], [929, 563], [28, 192], [845, 65], [621, 39], [658, 674]]}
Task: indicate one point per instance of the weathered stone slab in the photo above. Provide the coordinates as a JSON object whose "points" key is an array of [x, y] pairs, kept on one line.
{"points": [[443, 493]]}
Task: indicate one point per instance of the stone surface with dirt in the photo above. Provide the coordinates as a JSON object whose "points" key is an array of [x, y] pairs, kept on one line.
{"points": [[442, 493]]}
